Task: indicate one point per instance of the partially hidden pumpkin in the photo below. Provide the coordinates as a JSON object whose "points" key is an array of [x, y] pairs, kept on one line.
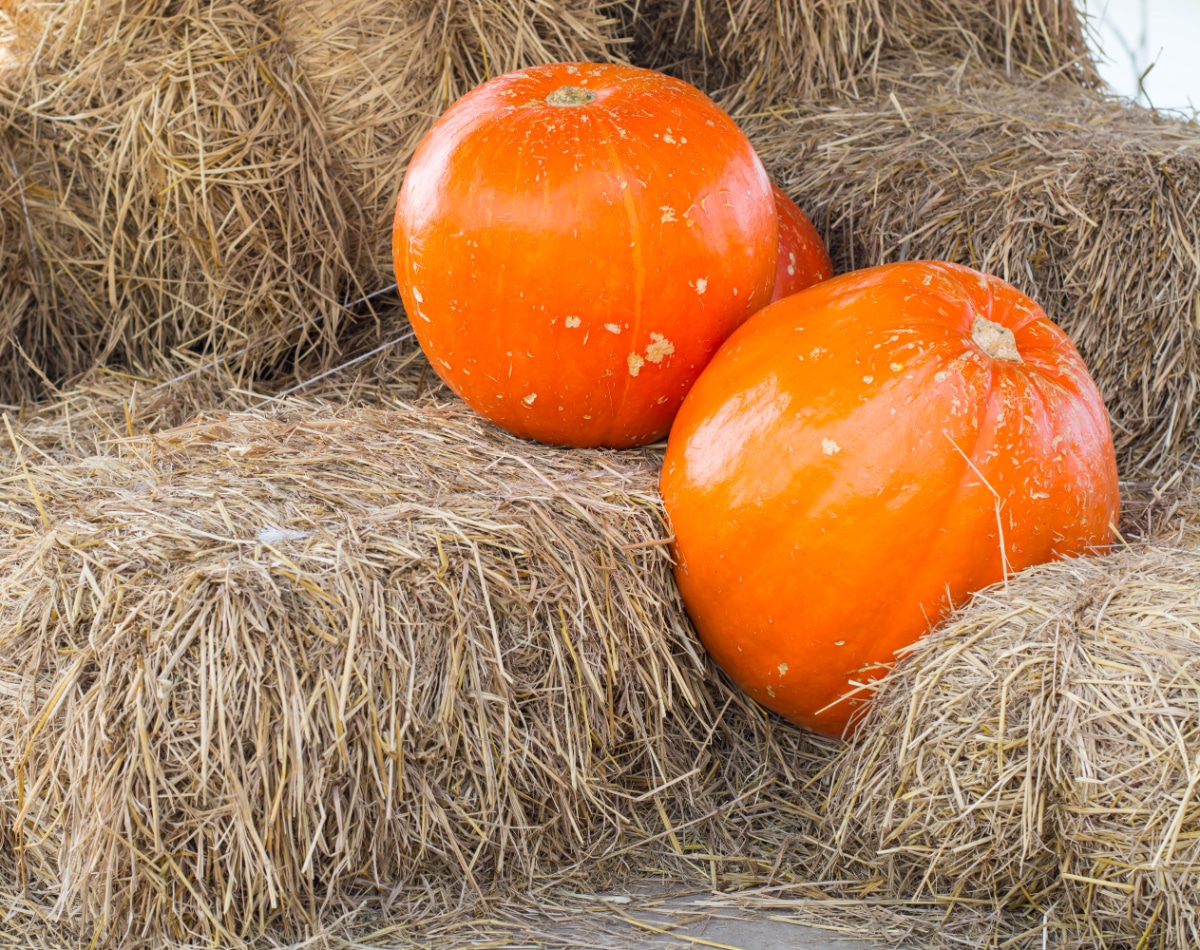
{"points": [[572, 244], [863, 455], [803, 259]]}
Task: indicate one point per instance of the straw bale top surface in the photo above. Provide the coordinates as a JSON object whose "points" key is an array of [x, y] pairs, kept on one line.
{"points": [[266, 666]]}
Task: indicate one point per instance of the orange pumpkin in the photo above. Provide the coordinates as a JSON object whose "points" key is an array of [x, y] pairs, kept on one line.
{"points": [[803, 259], [572, 244], [864, 454]]}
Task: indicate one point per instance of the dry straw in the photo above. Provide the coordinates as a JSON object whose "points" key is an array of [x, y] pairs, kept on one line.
{"points": [[182, 179], [105, 405], [190, 686], [1031, 767], [1090, 207], [177, 185], [212, 640], [753, 54], [15, 297], [231, 195], [257, 669]]}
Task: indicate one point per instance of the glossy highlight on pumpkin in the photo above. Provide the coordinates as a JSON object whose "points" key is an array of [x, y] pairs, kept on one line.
{"points": [[574, 242], [863, 455], [803, 259]]}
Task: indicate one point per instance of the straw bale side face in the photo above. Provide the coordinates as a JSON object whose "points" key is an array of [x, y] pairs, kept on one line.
{"points": [[200, 176], [177, 184], [256, 667], [15, 293], [1027, 39], [750, 54], [380, 73], [1088, 207], [1036, 757], [1129, 811], [946, 794], [754, 55]]}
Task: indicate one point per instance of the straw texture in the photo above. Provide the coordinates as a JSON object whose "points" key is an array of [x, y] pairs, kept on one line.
{"points": [[15, 296], [182, 178], [750, 54], [1031, 765], [154, 599], [237, 191], [257, 669], [359, 650]]}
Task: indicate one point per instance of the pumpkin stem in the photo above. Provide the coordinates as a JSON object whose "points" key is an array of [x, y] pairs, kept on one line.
{"points": [[995, 340], [570, 96]]}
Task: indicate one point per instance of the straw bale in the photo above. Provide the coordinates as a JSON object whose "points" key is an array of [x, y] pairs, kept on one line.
{"points": [[101, 405], [177, 186], [750, 54], [1032, 765], [189, 177], [260, 667], [1090, 207], [179, 179]]}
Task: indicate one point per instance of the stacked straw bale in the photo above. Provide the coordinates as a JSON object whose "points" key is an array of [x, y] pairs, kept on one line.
{"points": [[261, 666], [156, 649], [1090, 207], [181, 178], [103, 405], [472, 672], [257, 668], [1032, 766], [177, 187], [751, 55]]}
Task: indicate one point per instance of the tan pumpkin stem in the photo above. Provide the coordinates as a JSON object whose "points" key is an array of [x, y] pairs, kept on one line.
{"points": [[570, 96], [995, 340]]}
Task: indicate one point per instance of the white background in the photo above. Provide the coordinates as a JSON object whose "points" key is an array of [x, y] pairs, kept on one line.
{"points": [[1133, 34]]}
